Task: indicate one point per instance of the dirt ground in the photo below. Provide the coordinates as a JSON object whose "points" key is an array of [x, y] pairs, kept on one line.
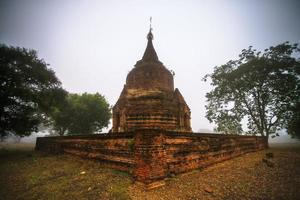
{"points": [[25, 174]]}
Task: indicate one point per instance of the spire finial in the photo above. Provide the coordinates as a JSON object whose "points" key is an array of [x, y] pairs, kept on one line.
{"points": [[150, 35], [150, 54]]}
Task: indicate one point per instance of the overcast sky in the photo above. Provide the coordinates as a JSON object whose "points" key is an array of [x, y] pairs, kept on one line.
{"points": [[92, 45]]}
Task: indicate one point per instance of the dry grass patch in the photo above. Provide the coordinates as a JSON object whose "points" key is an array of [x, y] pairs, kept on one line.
{"points": [[25, 174]]}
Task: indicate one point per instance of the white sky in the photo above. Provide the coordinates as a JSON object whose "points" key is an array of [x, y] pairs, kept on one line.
{"points": [[92, 45]]}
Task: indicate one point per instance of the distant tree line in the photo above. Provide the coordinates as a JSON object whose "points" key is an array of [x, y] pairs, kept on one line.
{"points": [[262, 88], [31, 95]]}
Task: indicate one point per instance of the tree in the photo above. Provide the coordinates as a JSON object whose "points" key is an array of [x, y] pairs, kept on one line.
{"points": [[28, 90], [293, 126], [263, 87], [82, 114], [60, 117], [228, 124]]}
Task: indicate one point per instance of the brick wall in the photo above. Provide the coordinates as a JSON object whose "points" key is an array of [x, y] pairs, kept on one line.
{"points": [[151, 155], [114, 150], [186, 152]]}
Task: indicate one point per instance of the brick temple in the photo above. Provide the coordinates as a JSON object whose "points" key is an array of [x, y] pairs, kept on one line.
{"points": [[149, 137], [149, 100]]}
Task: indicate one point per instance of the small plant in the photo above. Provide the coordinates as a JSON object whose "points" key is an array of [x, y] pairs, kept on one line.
{"points": [[131, 144], [119, 173], [33, 179]]}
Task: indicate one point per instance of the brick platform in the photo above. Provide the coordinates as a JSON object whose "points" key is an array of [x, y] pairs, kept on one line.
{"points": [[151, 155]]}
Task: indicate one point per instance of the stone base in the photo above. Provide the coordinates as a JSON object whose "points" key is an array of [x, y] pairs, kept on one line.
{"points": [[151, 155]]}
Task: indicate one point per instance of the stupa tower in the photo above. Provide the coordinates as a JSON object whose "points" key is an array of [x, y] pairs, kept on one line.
{"points": [[148, 99]]}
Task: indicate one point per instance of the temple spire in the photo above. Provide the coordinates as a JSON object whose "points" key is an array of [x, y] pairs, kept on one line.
{"points": [[150, 54]]}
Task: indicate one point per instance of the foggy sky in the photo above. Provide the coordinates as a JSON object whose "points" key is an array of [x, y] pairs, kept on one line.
{"points": [[92, 45]]}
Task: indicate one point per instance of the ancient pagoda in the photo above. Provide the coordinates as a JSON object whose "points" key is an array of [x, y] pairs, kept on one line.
{"points": [[149, 100]]}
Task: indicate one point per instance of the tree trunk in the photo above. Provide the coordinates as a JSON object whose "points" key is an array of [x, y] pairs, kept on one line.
{"points": [[267, 135], [62, 131]]}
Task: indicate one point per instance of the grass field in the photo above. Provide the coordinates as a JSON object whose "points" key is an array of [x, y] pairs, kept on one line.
{"points": [[25, 174]]}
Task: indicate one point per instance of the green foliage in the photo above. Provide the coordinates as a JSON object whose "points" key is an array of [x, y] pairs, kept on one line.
{"points": [[131, 144], [262, 87], [60, 117], [228, 124], [119, 173], [293, 126], [28, 90], [81, 114]]}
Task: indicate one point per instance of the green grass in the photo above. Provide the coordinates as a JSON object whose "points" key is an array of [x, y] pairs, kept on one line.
{"points": [[119, 191]]}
